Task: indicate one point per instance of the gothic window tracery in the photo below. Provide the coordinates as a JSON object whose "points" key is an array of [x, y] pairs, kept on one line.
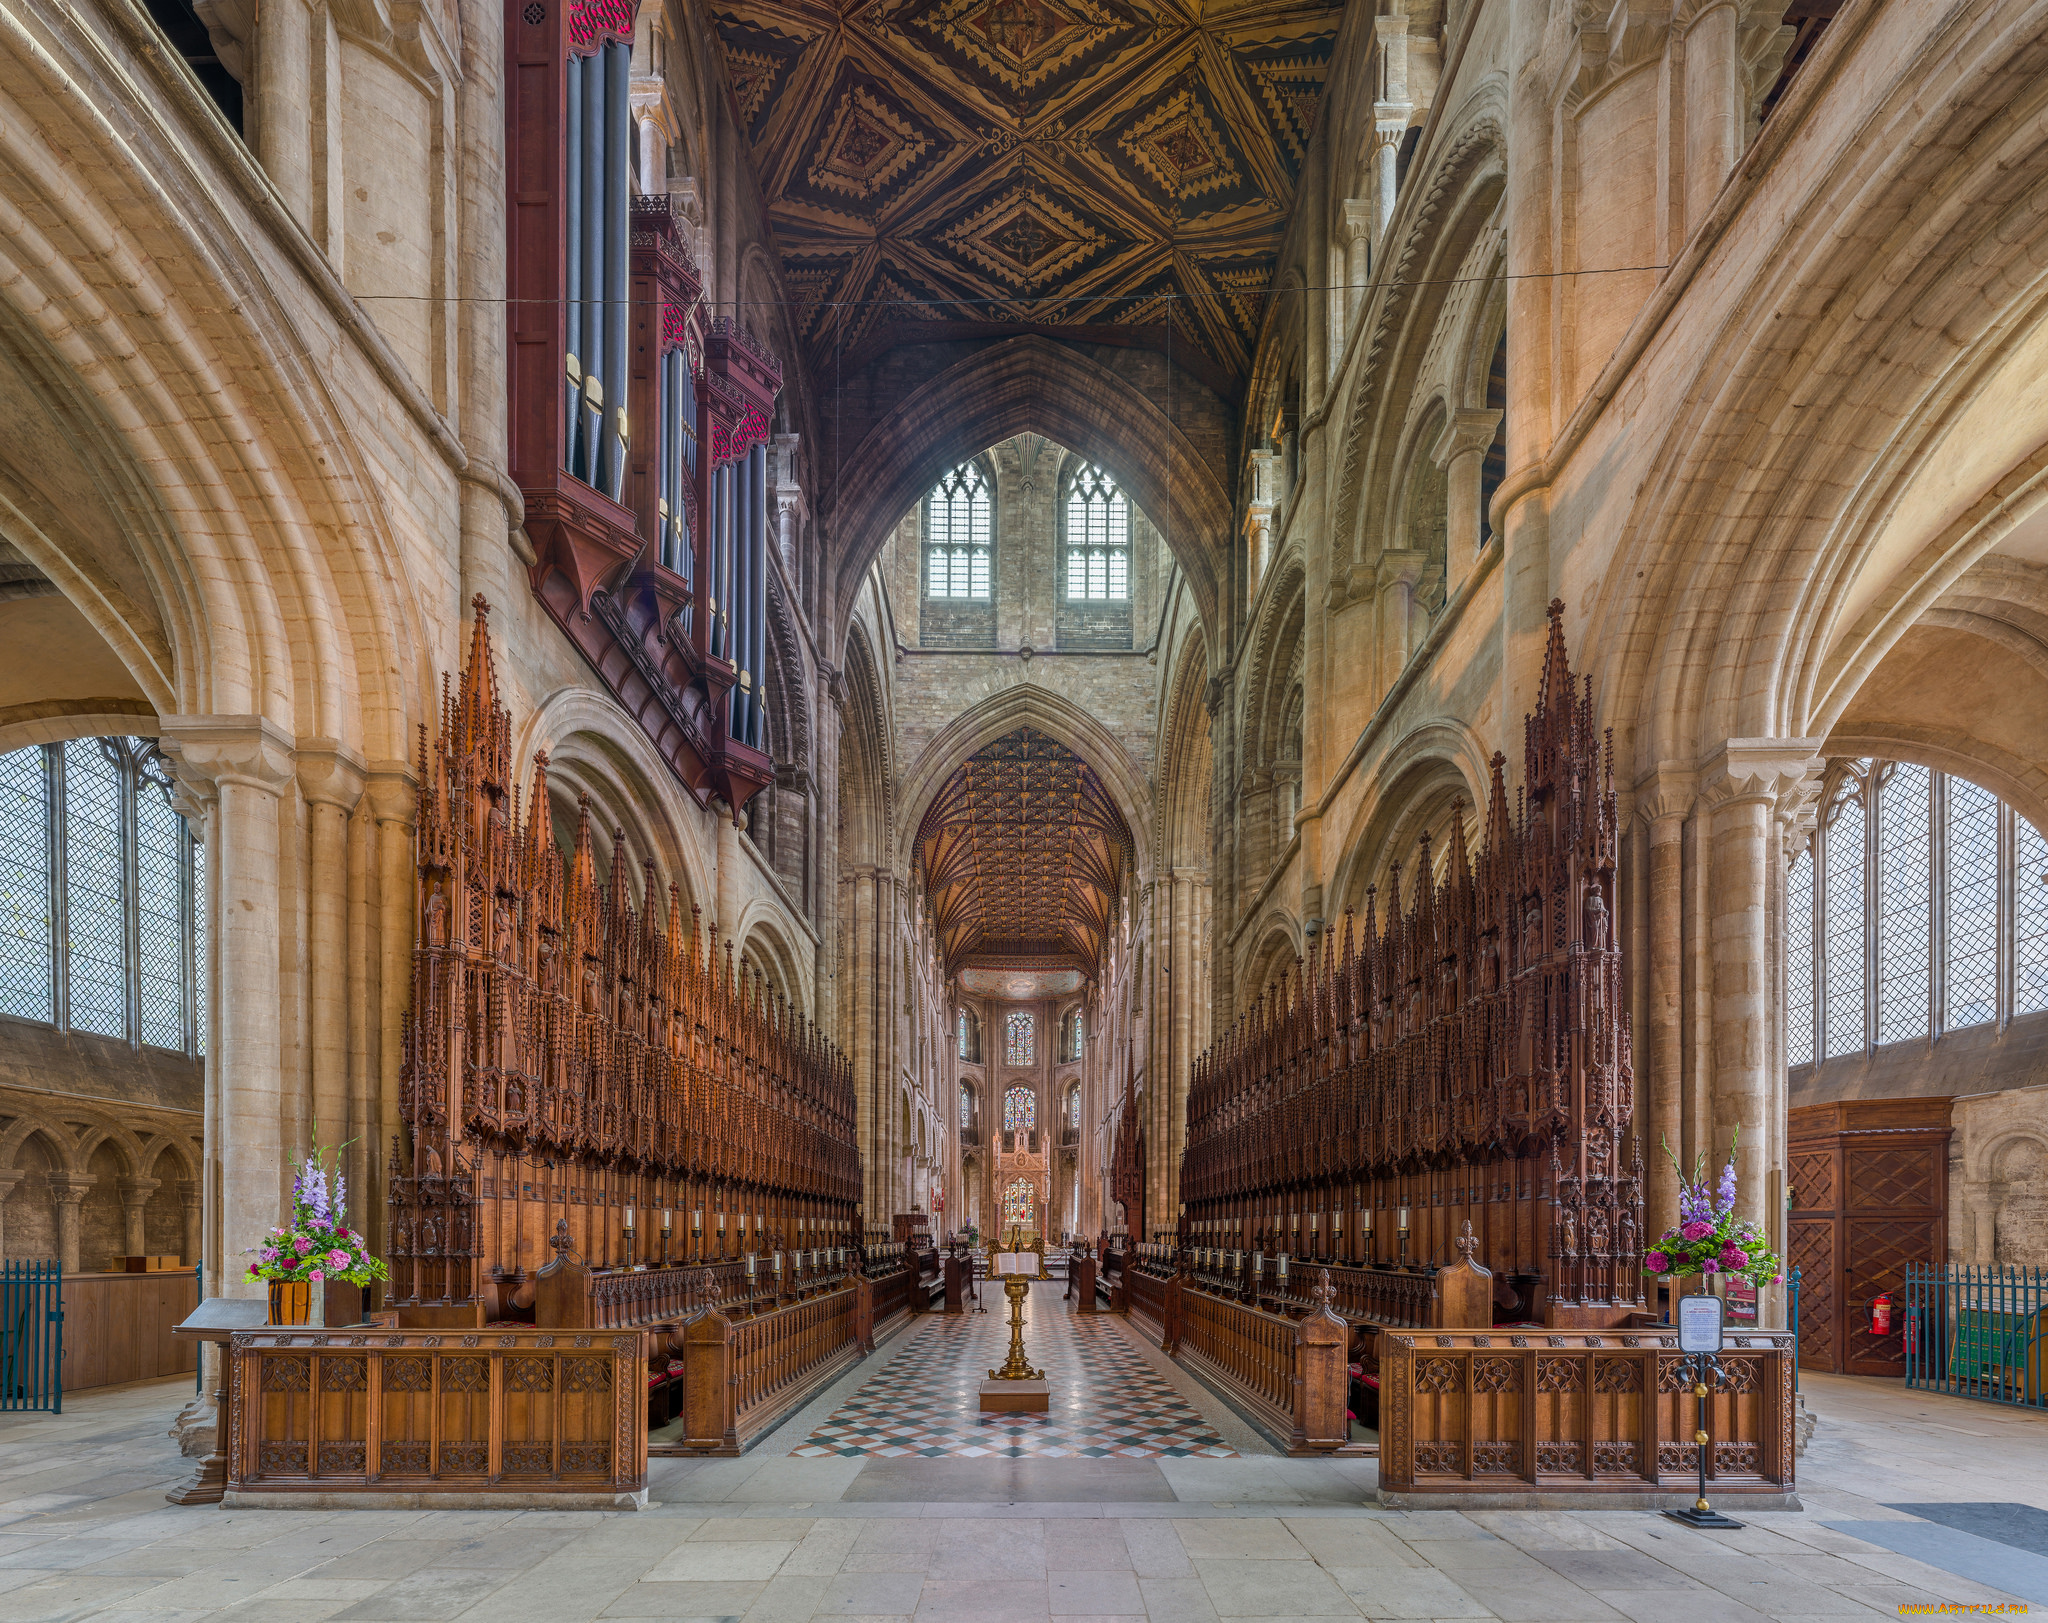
{"points": [[1020, 1110], [1919, 906], [101, 895], [1098, 538], [959, 536], [1019, 1030]]}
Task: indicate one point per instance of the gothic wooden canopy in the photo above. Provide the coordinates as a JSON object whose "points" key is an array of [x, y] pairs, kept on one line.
{"points": [[1024, 855], [950, 165]]}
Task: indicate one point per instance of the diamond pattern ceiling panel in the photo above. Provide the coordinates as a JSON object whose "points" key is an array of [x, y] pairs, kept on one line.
{"points": [[1057, 162], [1024, 856]]}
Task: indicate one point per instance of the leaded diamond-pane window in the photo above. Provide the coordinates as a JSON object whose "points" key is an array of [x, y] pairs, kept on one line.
{"points": [[101, 895], [1865, 945], [1972, 904], [959, 538], [2029, 919], [27, 963], [1799, 961], [1905, 913], [95, 890], [1843, 929], [1098, 541]]}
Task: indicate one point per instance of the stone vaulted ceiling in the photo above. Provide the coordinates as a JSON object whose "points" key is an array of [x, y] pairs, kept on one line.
{"points": [[1024, 855], [979, 165]]}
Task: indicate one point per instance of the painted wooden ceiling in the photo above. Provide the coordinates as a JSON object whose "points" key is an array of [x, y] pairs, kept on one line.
{"points": [[941, 165], [1024, 857]]}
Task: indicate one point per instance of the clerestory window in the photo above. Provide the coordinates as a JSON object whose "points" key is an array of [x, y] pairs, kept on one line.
{"points": [[959, 536], [1098, 538], [1920, 906], [102, 895]]}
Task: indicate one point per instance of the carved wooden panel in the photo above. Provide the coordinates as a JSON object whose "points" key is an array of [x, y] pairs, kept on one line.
{"points": [[1813, 1179], [1893, 1178]]}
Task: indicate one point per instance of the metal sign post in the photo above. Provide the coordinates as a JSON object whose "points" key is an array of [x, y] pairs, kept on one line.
{"points": [[1699, 1333]]}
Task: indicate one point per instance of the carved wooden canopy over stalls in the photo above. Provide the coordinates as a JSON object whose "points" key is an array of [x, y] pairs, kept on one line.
{"points": [[569, 1059], [1024, 857], [950, 165], [1470, 1062]]}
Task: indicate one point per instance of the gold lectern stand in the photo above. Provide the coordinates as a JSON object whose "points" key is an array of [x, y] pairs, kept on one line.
{"points": [[1016, 1388]]}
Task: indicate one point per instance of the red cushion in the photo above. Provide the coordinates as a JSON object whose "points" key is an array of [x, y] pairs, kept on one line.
{"points": [[1372, 1381], [657, 1380]]}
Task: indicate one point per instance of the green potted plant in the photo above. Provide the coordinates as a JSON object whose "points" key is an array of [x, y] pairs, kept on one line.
{"points": [[311, 1261]]}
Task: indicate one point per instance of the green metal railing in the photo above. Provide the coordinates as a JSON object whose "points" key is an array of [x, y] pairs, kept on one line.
{"points": [[32, 1336], [1978, 1332]]}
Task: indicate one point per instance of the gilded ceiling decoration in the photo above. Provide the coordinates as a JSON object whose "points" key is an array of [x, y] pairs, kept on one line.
{"points": [[1092, 163], [1024, 855]]}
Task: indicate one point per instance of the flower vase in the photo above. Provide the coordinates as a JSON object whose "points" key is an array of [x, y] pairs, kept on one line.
{"points": [[289, 1301]]}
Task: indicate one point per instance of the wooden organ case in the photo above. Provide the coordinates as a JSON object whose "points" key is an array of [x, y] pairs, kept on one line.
{"points": [[639, 424], [577, 1076], [1467, 1063]]}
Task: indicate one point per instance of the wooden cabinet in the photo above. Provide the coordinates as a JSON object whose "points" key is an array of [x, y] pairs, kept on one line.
{"points": [[1869, 1184], [117, 1327]]}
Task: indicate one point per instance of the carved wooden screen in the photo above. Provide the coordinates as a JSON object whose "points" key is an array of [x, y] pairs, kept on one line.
{"points": [[1467, 1062]]}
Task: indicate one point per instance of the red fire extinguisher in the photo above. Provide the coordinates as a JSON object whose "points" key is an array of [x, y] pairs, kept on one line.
{"points": [[1881, 1316]]}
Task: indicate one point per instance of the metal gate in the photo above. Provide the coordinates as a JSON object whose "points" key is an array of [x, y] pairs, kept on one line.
{"points": [[1977, 1332], [32, 1336]]}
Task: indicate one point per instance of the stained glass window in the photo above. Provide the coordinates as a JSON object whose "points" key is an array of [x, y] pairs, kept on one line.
{"points": [[1098, 538], [1905, 910], [966, 1107], [1020, 1205], [2029, 919], [1799, 961], [1842, 849], [1018, 1030], [959, 535], [1020, 1110], [1972, 904], [122, 911], [1073, 1107], [95, 890]]}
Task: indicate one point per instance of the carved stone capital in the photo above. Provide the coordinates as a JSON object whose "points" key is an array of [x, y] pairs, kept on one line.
{"points": [[135, 1192], [69, 1188], [1399, 567], [1355, 215], [394, 793], [1768, 770], [207, 752], [331, 774], [1664, 799], [1470, 431]]}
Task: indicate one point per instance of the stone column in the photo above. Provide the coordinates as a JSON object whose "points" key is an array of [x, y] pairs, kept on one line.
{"points": [[135, 1193], [1665, 803], [1390, 111], [190, 1191], [67, 1194], [9, 1178], [331, 779], [1460, 450], [1741, 789], [1399, 571], [393, 797], [1358, 223], [283, 102], [247, 762]]}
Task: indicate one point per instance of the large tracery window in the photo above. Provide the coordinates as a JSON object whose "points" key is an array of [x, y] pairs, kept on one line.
{"points": [[1098, 538], [1018, 1031], [958, 535], [1020, 1110], [102, 888], [1919, 907]]}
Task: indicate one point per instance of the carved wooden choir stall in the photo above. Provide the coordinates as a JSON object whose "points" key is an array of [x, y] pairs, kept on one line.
{"points": [[1464, 1069]]}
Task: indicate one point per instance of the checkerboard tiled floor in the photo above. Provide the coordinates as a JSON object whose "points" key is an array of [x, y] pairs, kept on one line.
{"points": [[1107, 1401]]}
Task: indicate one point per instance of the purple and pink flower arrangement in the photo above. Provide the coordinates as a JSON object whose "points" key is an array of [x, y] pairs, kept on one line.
{"points": [[317, 1245], [1709, 1238]]}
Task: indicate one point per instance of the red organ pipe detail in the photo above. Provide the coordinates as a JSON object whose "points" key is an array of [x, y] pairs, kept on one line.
{"points": [[575, 1068], [1467, 1061]]}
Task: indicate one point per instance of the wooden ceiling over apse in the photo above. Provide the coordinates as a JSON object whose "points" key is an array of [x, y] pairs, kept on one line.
{"points": [[1024, 858], [988, 166]]}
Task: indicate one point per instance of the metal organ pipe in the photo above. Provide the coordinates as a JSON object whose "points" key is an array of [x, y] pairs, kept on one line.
{"points": [[757, 597], [588, 243], [576, 351], [618, 176]]}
